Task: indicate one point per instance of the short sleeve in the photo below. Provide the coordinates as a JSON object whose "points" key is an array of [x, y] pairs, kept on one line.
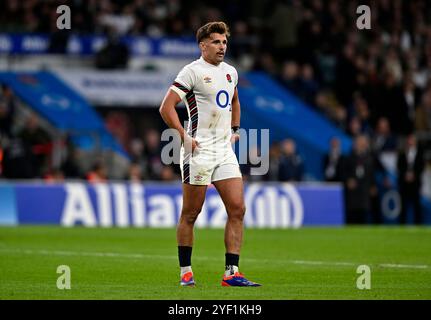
{"points": [[184, 82], [236, 77]]}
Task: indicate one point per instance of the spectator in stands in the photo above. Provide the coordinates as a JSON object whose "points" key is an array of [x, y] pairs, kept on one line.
{"points": [[423, 113], [392, 64], [242, 44], [283, 24], [274, 162], [310, 39], [98, 174], [333, 162], [327, 104], [7, 111], [390, 104], [361, 111], [346, 70], [355, 127], [265, 62], [70, 165], [383, 140], [411, 97], [58, 42], [291, 166], [410, 166], [5, 122], [290, 77], [168, 174], [54, 176], [309, 87], [383, 143], [39, 142], [119, 23], [135, 172], [17, 160], [114, 55], [119, 125], [152, 152], [11, 17], [137, 155], [358, 181]]}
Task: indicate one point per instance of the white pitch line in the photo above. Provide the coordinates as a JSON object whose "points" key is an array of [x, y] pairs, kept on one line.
{"points": [[323, 263], [90, 254], [407, 266], [150, 256]]}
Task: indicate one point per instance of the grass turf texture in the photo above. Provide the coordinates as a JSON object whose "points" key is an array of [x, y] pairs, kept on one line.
{"points": [[308, 263]]}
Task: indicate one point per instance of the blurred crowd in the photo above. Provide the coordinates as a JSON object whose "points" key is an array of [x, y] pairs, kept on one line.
{"points": [[313, 47], [27, 150], [366, 177], [357, 77], [374, 166], [122, 17]]}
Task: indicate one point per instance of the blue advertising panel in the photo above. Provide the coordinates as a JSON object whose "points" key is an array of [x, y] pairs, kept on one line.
{"points": [[278, 205], [53, 99], [38, 43], [8, 212]]}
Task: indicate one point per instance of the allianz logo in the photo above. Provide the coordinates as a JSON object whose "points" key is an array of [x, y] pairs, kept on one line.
{"points": [[123, 205], [35, 43], [141, 47], [273, 206], [5, 44], [74, 45], [97, 43], [174, 47], [269, 103], [55, 101]]}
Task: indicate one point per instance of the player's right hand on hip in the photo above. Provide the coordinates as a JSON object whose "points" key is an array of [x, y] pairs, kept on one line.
{"points": [[195, 145], [190, 144]]}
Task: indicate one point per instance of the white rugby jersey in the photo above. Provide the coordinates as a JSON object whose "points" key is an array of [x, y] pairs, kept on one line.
{"points": [[207, 91]]}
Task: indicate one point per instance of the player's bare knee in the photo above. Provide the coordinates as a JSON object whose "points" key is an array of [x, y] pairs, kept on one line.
{"points": [[189, 216], [237, 211]]}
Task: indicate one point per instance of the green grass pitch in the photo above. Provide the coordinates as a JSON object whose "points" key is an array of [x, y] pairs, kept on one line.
{"points": [[307, 263]]}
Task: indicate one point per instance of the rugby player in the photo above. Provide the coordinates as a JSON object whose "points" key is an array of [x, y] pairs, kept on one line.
{"points": [[208, 86]]}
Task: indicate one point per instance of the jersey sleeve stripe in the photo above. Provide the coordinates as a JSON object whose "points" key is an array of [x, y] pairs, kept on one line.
{"points": [[181, 87], [193, 112]]}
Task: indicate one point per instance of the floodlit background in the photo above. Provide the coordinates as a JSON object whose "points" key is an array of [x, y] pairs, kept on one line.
{"points": [[349, 117], [342, 105]]}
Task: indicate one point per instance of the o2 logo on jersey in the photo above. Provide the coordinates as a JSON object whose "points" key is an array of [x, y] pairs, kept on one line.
{"points": [[222, 99]]}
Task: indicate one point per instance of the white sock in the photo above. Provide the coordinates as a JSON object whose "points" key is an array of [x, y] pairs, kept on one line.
{"points": [[231, 270], [184, 270]]}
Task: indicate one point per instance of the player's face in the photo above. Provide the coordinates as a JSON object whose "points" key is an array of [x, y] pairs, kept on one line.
{"points": [[214, 48]]}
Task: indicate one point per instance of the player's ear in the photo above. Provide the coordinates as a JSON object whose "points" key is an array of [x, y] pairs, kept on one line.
{"points": [[201, 45]]}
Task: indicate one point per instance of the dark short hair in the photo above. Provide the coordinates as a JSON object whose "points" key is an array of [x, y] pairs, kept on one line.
{"points": [[212, 27]]}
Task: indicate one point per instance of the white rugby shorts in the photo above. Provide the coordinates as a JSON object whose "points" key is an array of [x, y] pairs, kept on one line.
{"points": [[206, 166]]}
